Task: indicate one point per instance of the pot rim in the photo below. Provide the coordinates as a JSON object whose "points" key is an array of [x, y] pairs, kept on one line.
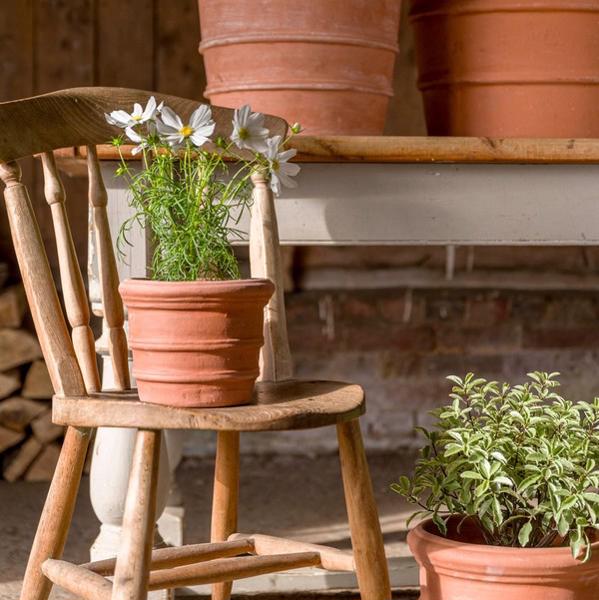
{"points": [[476, 558], [484, 7], [207, 282], [141, 291]]}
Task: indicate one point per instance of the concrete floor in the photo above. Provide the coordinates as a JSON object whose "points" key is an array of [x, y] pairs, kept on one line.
{"points": [[298, 497]]}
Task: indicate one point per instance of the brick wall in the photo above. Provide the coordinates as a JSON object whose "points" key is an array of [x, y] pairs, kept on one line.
{"points": [[400, 343]]}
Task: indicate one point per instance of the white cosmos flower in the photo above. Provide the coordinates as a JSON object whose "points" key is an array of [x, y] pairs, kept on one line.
{"points": [[199, 129], [248, 129], [123, 119], [281, 171], [137, 139]]}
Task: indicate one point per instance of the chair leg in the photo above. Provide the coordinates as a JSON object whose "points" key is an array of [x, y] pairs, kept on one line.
{"points": [[367, 539], [133, 560], [56, 516], [225, 498]]}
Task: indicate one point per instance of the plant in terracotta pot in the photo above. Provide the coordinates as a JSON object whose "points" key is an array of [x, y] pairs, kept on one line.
{"points": [[509, 481], [195, 327]]}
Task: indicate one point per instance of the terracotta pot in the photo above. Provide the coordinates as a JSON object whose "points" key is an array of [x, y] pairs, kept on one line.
{"points": [[508, 68], [452, 569], [196, 343], [327, 64]]}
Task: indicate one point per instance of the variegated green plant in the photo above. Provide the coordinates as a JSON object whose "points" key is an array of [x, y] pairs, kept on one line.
{"points": [[520, 460]]}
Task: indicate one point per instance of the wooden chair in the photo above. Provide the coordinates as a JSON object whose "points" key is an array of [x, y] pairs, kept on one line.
{"points": [[76, 118]]}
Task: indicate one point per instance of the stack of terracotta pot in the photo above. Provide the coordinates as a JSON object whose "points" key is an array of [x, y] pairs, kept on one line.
{"points": [[527, 68]]}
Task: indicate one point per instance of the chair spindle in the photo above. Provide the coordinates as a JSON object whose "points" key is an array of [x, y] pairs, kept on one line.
{"points": [[114, 313], [265, 261], [73, 288], [39, 285]]}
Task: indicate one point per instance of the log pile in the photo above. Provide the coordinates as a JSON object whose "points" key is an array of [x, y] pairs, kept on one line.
{"points": [[29, 441]]}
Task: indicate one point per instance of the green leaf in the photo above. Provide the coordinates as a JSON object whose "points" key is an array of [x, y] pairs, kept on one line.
{"points": [[563, 526], [524, 534], [481, 488], [471, 475], [591, 496], [528, 482], [499, 456], [503, 480], [440, 523]]}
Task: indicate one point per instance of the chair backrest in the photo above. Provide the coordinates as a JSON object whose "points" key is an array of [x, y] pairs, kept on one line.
{"points": [[75, 117]]}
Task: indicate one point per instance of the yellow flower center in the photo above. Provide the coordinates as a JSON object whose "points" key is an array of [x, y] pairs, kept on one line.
{"points": [[275, 165], [136, 117], [186, 131], [243, 133]]}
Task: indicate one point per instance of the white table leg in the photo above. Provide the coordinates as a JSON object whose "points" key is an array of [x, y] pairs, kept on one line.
{"points": [[170, 524], [109, 477]]}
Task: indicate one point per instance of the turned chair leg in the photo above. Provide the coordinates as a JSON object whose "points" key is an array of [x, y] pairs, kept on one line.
{"points": [[225, 498], [56, 516], [367, 539], [133, 560]]}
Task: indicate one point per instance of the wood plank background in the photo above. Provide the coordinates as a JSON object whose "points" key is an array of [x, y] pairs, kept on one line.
{"points": [[48, 45]]}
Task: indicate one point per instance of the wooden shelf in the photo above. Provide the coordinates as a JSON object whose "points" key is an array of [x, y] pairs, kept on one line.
{"points": [[389, 149]]}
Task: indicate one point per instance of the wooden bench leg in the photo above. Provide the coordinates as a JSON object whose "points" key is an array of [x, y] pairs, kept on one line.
{"points": [[56, 517], [133, 560], [225, 498], [367, 539]]}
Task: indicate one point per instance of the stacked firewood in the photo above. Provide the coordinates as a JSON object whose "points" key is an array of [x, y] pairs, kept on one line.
{"points": [[29, 441]]}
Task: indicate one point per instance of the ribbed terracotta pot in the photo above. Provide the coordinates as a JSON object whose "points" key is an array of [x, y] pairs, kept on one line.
{"points": [[196, 343], [508, 68], [458, 569], [325, 63]]}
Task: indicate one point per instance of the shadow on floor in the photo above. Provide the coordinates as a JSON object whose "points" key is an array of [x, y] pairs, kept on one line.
{"points": [[293, 496]]}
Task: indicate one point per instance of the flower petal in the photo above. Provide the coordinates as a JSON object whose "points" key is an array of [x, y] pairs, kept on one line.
{"points": [[291, 169], [150, 109], [287, 154], [121, 118], [200, 116], [133, 135], [171, 118]]}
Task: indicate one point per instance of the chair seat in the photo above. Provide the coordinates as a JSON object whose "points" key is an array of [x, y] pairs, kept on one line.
{"points": [[280, 405]]}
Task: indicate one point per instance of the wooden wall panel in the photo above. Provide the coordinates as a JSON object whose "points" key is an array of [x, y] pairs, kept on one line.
{"points": [[124, 43], [16, 81], [64, 44], [179, 66], [47, 45]]}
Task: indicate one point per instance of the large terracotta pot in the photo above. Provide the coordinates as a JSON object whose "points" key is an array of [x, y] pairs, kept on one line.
{"points": [[196, 343], [325, 63], [508, 68], [452, 569]]}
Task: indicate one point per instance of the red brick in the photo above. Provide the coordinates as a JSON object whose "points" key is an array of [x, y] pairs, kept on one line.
{"points": [[560, 337], [575, 309], [459, 338]]}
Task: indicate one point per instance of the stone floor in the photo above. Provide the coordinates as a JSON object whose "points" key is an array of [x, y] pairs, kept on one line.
{"points": [[291, 496]]}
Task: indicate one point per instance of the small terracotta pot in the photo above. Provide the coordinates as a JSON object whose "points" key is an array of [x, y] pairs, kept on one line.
{"points": [[452, 569], [325, 63], [508, 68], [196, 343]]}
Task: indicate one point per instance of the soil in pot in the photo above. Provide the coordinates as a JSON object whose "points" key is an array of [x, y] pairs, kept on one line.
{"points": [[461, 567], [508, 68], [325, 63], [196, 343]]}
